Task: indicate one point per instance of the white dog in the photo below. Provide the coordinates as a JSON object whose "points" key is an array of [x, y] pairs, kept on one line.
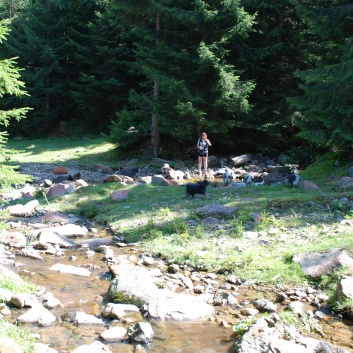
{"points": [[294, 180], [248, 179], [228, 177]]}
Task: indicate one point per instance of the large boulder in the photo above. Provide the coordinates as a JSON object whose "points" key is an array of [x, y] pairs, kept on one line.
{"points": [[135, 285], [315, 264]]}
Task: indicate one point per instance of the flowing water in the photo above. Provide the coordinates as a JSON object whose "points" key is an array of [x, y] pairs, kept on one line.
{"points": [[89, 295]]}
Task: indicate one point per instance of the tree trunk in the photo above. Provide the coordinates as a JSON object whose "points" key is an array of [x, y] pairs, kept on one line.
{"points": [[155, 137]]}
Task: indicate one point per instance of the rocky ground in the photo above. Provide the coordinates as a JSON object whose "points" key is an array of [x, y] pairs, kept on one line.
{"points": [[158, 285]]}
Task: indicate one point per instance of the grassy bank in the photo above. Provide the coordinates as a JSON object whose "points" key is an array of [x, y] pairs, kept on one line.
{"points": [[63, 151], [288, 221]]}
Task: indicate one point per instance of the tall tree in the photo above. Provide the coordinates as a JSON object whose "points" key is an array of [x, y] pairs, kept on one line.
{"points": [[272, 53], [103, 59], [10, 84], [42, 35], [183, 52], [325, 108]]}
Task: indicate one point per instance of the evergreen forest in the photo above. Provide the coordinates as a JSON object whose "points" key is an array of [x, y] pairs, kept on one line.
{"points": [[271, 76]]}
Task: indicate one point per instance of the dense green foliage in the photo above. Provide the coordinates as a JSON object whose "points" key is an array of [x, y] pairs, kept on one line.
{"points": [[257, 76], [10, 85], [325, 109]]}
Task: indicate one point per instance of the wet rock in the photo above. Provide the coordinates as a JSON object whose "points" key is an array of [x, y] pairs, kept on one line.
{"points": [[137, 285], [55, 238], [114, 334], [82, 318], [141, 332], [114, 311], [24, 300], [38, 314], [29, 252], [52, 303], [264, 305], [67, 230], [43, 348], [69, 269], [95, 347]]}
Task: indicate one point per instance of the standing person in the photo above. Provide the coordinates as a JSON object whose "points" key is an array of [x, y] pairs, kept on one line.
{"points": [[202, 151]]}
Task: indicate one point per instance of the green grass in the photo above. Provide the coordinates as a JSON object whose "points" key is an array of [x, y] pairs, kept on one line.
{"points": [[21, 336], [84, 152], [157, 215], [16, 286], [293, 220]]}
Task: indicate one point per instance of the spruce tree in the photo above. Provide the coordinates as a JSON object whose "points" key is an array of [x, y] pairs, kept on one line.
{"points": [[324, 111], [10, 84], [272, 53], [183, 52]]}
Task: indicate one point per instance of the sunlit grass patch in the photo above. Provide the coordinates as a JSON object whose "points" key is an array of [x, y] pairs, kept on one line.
{"points": [[21, 336], [16, 286]]}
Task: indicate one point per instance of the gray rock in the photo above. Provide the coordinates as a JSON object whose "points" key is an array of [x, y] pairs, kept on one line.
{"points": [[24, 210], [264, 305], [241, 160], [325, 347], [316, 264], [95, 347], [141, 332], [114, 334], [66, 230], [216, 210], [137, 285], [73, 270], [43, 348], [82, 318], [345, 288], [37, 314], [55, 238]]}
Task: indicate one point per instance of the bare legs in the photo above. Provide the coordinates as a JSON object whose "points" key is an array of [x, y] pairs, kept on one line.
{"points": [[202, 160]]}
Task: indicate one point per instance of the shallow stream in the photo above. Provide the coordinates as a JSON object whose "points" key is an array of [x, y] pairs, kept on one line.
{"points": [[89, 295]]}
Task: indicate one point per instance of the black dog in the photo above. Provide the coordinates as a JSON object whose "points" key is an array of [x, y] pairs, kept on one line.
{"points": [[197, 188]]}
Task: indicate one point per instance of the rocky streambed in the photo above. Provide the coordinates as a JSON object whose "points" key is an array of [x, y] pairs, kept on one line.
{"points": [[97, 293], [80, 269]]}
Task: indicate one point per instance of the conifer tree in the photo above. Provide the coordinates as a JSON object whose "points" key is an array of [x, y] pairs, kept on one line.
{"points": [[272, 53], [103, 60], [10, 84], [325, 109], [44, 33], [190, 84]]}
